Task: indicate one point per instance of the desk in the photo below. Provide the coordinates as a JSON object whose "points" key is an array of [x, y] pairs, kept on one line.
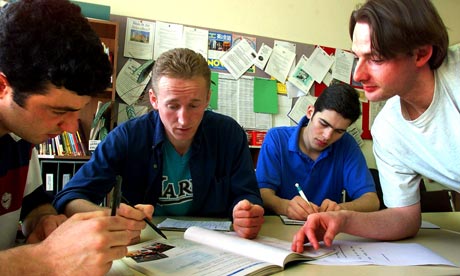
{"points": [[445, 242], [445, 220]]}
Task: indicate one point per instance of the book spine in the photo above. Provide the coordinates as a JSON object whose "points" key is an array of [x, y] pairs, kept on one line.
{"points": [[80, 143], [68, 150], [72, 145], [57, 142]]}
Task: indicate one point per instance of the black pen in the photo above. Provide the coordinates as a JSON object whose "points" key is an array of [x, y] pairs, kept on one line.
{"points": [[154, 227], [116, 196]]}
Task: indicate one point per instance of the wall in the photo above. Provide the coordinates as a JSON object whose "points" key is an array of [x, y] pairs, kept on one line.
{"points": [[322, 22]]}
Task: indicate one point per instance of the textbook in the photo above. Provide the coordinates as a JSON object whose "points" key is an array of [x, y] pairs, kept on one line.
{"points": [[208, 252]]}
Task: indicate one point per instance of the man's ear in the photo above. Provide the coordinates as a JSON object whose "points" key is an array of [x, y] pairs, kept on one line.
{"points": [[153, 99], [208, 97], [310, 111], [423, 54], [4, 84]]}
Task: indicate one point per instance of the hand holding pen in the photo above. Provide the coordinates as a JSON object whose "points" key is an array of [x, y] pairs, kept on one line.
{"points": [[117, 198], [304, 197], [153, 226]]}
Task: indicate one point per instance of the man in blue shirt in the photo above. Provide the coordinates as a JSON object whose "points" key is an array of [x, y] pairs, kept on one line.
{"points": [[179, 158], [321, 157]]}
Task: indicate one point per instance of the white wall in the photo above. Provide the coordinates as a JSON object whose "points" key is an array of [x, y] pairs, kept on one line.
{"points": [[321, 22]]}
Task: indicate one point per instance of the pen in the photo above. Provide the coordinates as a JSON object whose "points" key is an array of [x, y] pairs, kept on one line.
{"points": [[116, 196], [302, 195], [154, 227]]}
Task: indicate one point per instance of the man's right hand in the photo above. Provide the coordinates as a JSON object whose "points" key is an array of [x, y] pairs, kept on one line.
{"points": [[299, 209], [87, 243]]}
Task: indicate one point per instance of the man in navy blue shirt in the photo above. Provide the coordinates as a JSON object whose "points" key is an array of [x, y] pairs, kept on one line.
{"points": [[180, 158]]}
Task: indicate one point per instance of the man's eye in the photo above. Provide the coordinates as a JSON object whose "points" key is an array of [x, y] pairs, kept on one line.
{"points": [[377, 61]]}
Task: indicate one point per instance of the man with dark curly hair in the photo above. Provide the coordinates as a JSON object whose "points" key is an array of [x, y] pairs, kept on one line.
{"points": [[51, 63]]}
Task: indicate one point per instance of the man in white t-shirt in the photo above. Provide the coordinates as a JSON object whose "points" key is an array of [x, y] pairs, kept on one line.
{"points": [[403, 57]]}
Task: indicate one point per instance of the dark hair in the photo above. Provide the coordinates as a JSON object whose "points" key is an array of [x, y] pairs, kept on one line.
{"points": [[180, 63], [342, 98], [400, 26], [45, 42]]}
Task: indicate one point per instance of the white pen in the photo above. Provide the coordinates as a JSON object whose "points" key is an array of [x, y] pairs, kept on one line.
{"points": [[302, 195]]}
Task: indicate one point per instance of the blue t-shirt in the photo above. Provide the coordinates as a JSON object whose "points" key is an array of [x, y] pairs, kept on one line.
{"points": [[176, 186], [339, 167]]}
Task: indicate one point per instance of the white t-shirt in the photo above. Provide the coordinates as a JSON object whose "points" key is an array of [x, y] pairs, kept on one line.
{"points": [[429, 146]]}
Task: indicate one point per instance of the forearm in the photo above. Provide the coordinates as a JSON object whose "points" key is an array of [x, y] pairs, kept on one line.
{"points": [[80, 206], [273, 202], [388, 224], [366, 203], [26, 259], [32, 219]]}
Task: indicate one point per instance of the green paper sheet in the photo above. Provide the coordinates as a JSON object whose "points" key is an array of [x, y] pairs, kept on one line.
{"points": [[214, 90], [265, 96]]}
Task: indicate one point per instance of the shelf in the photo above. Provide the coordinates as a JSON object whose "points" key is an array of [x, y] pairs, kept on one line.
{"points": [[57, 157]]}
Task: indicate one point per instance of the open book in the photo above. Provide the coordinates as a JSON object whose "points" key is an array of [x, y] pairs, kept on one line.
{"points": [[208, 252]]}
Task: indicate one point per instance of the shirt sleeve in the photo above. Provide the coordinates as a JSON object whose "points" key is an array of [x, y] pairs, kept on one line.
{"points": [[34, 193]]}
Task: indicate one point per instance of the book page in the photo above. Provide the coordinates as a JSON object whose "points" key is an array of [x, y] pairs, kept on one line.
{"points": [[208, 252], [178, 256], [266, 249]]}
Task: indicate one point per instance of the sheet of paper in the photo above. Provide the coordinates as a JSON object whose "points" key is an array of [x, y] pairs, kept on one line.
{"points": [[284, 105], [381, 253], [245, 102], [239, 58], [196, 39], [167, 36], [285, 44], [265, 96], [252, 40], [293, 91], [139, 39], [280, 62], [263, 56], [428, 225], [176, 224], [127, 86], [236, 99], [289, 221], [126, 112], [300, 78], [342, 66], [318, 64], [300, 107]]}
